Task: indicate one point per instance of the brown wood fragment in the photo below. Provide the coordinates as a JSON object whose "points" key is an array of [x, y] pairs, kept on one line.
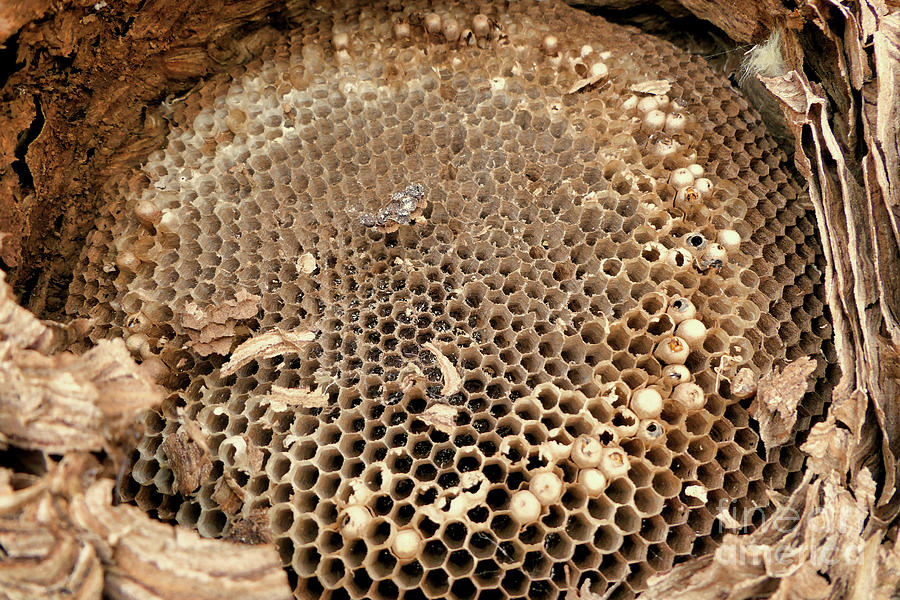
{"points": [[441, 416], [255, 455], [93, 124], [282, 397], [743, 21], [252, 529], [18, 116], [212, 329], [66, 402], [147, 559], [266, 345], [854, 199], [12, 500], [189, 461], [777, 397], [228, 495], [19, 328], [818, 530], [828, 447], [452, 380], [40, 560], [67, 541], [40, 557], [16, 13]]}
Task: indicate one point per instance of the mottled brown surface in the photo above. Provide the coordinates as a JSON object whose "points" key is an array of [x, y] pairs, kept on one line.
{"points": [[60, 533], [189, 459]]}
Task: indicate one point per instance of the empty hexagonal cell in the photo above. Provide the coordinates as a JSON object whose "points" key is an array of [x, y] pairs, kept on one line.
{"points": [[359, 583], [633, 549], [698, 424], [305, 476], [752, 466], [487, 573], [482, 544], [433, 553], [409, 575], [791, 458], [211, 523], [436, 582], [711, 475], [380, 564], [684, 467], [607, 538], [620, 491], [735, 484], [701, 521], [504, 526], [459, 563], [702, 449], [745, 437], [613, 566], [514, 582], [647, 501], [680, 539], [303, 530], [327, 485]]}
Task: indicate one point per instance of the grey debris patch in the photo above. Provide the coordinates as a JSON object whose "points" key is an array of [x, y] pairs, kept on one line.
{"points": [[405, 206]]}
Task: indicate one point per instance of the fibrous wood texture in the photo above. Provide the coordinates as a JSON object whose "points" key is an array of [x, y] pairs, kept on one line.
{"points": [[61, 535]]}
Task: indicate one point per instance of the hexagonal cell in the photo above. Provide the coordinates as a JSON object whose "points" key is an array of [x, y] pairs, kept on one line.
{"points": [[607, 539], [633, 549], [436, 582], [701, 521], [303, 531], [680, 539], [620, 491], [702, 449], [433, 553], [752, 466], [647, 501], [674, 512], [676, 441], [735, 484], [360, 583], [711, 475], [601, 509], [332, 572], [613, 567], [305, 477], [380, 564]]}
